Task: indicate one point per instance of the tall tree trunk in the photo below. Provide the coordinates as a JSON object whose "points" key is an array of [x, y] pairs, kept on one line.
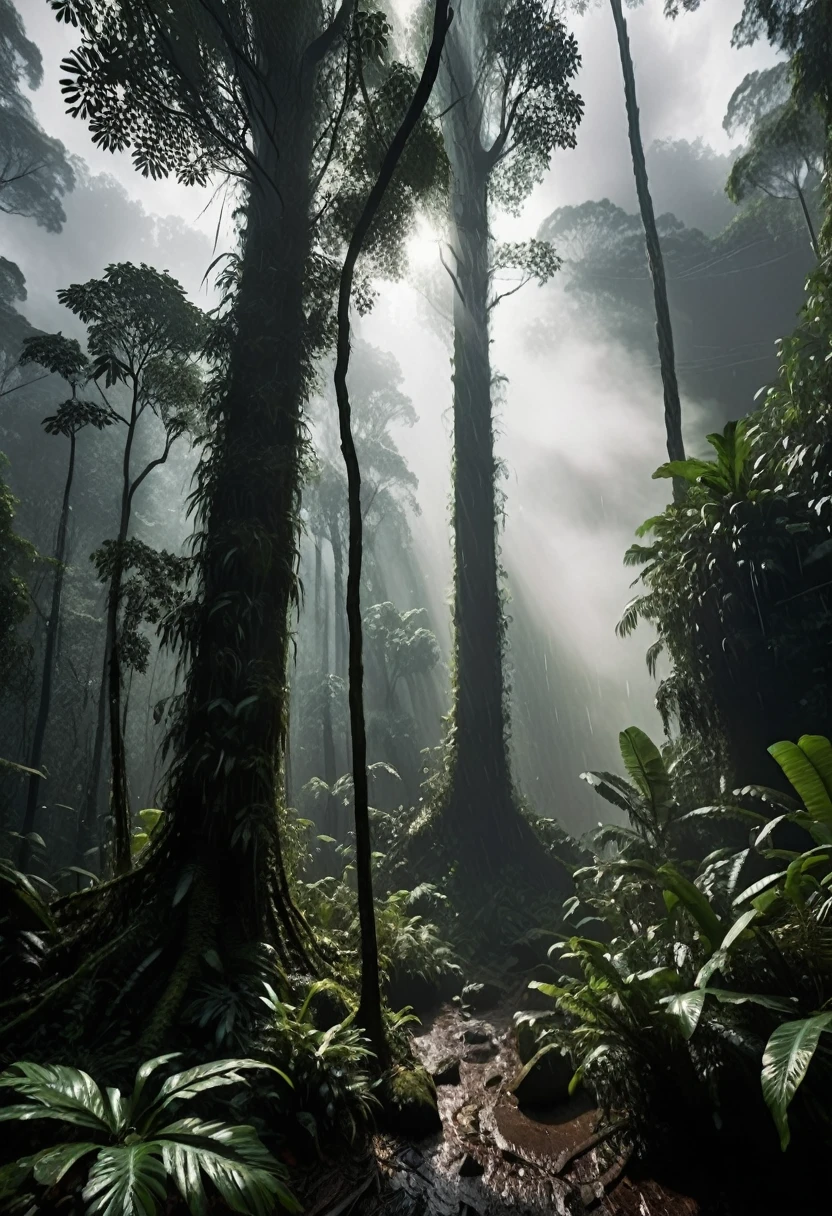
{"points": [[49, 655], [225, 779], [119, 799], [664, 330], [481, 804]]}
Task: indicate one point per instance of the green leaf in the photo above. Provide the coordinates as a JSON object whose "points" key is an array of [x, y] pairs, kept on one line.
{"points": [[724, 812], [51, 1165], [738, 928], [786, 1060], [602, 786], [688, 470], [695, 902], [244, 1172], [150, 818], [143, 1075], [19, 899], [196, 1080], [57, 1092], [126, 1180], [805, 764], [646, 767], [138, 840], [687, 1007]]}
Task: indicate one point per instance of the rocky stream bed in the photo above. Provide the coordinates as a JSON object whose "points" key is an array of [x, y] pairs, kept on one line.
{"points": [[493, 1155]]}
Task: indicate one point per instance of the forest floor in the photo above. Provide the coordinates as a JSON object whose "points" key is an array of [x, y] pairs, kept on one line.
{"points": [[492, 1158]]}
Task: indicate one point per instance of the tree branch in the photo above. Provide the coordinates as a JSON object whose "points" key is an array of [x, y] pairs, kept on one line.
{"points": [[320, 48]]}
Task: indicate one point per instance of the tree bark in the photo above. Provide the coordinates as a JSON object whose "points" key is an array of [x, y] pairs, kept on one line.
{"points": [[480, 799], [49, 655], [119, 801], [225, 781], [655, 261]]}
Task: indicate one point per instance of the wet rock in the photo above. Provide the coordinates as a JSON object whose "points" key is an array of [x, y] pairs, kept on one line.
{"points": [[469, 1167], [545, 1079], [447, 1071], [480, 1053], [477, 1032], [480, 997], [468, 1118], [408, 1100]]}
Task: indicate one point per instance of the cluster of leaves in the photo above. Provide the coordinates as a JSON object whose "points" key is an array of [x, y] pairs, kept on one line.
{"points": [[137, 1145], [735, 577], [531, 107], [327, 1058], [26, 924], [701, 975], [153, 588]]}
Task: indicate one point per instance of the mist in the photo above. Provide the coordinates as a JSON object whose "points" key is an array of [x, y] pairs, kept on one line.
{"points": [[579, 421]]}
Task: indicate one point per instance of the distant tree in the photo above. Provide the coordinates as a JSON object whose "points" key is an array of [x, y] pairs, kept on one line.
{"points": [[35, 171], [803, 29], [508, 103], [61, 357], [783, 159], [756, 96], [664, 328], [13, 325], [16, 558], [145, 335]]}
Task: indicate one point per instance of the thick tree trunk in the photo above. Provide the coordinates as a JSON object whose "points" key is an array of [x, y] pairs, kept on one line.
{"points": [[481, 803], [215, 874], [225, 781], [49, 656], [664, 330]]}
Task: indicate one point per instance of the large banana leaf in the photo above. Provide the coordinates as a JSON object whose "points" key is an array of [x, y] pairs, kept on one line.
{"points": [[126, 1180], [646, 768], [786, 1060], [602, 785], [808, 766], [695, 902]]}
